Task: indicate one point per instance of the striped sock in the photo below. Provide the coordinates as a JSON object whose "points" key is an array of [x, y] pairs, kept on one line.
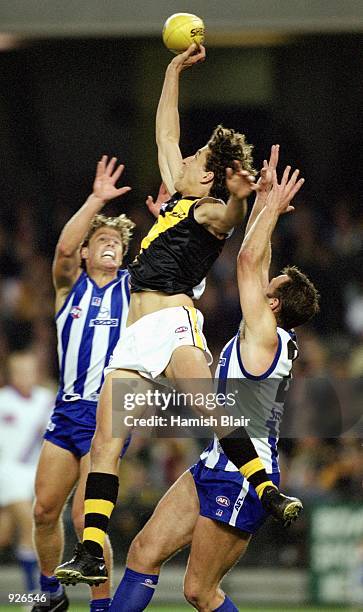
{"points": [[100, 499], [256, 475], [239, 449]]}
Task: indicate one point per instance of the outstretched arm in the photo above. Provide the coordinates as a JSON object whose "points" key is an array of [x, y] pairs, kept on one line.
{"points": [[260, 323], [66, 263], [167, 116], [265, 186]]}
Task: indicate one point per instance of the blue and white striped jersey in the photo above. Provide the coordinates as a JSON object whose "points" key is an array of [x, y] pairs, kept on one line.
{"points": [[267, 399], [89, 324]]}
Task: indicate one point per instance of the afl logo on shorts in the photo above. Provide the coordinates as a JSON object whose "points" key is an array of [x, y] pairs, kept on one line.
{"points": [[223, 501], [181, 330], [76, 312]]}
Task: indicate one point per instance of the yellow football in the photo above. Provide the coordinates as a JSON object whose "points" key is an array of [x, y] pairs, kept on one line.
{"points": [[181, 30]]}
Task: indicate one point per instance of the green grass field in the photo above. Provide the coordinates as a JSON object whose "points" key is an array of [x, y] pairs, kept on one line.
{"points": [[177, 608]]}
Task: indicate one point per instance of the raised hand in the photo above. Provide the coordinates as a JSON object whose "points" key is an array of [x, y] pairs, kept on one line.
{"points": [[107, 175], [266, 176], [193, 55], [240, 182], [163, 196], [281, 194]]}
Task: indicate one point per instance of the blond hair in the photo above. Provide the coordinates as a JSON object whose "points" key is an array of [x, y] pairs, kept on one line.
{"points": [[122, 224]]}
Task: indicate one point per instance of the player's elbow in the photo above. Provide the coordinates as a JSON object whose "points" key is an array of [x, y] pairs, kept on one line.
{"points": [[64, 250], [246, 259], [165, 143]]}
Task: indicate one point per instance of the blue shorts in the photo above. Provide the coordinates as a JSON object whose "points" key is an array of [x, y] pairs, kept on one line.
{"points": [[227, 497], [72, 426]]}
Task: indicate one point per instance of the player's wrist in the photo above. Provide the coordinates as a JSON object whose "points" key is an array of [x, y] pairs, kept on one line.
{"points": [[174, 68], [96, 201]]}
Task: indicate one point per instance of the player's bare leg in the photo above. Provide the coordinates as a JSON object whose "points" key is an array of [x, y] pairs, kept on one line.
{"points": [[104, 590], [57, 473], [88, 564], [7, 527], [110, 437], [168, 530], [215, 549]]}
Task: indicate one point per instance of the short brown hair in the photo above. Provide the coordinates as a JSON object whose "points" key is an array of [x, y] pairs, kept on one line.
{"points": [[224, 146], [299, 299], [121, 224]]}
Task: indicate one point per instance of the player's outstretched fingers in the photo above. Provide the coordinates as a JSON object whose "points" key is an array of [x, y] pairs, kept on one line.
{"points": [[110, 166], [101, 166], [285, 176], [116, 175], [274, 156], [296, 188], [122, 190]]}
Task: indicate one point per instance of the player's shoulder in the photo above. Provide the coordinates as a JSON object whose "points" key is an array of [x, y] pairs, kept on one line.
{"points": [[81, 278], [123, 274], [209, 200], [286, 335]]}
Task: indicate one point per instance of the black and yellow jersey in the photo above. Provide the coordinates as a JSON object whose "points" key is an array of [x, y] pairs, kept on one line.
{"points": [[177, 253]]}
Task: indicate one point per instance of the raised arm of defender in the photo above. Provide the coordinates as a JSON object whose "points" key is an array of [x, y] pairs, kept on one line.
{"points": [[66, 263], [264, 188], [259, 320]]}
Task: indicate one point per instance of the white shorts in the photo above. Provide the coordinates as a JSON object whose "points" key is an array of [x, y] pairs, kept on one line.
{"points": [[16, 482], [147, 345]]}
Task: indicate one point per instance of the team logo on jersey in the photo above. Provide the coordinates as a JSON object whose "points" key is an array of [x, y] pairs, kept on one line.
{"points": [[76, 312], [181, 330], [219, 513], [103, 319], [104, 322], [178, 215], [223, 501], [96, 301], [222, 361]]}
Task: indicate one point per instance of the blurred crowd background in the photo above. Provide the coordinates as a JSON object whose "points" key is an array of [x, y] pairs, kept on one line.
{"points": [[65, 102]]}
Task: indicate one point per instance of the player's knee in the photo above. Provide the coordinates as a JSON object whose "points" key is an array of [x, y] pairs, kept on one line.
{"points": [[45, 514], [144, 553], [104, 446], [196, 594]]}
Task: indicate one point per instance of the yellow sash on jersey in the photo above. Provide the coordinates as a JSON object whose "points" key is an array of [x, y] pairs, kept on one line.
{"points": [[167, 221]]}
